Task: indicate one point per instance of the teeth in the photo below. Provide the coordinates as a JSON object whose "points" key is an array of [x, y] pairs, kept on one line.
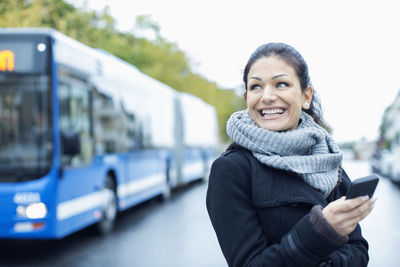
{"points": [[272, 111]]}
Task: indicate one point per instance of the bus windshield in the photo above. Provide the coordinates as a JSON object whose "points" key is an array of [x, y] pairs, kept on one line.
{"points": [[25, 127]]}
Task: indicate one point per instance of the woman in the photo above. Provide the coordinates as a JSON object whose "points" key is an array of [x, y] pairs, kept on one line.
{"points": [[276, 196]]}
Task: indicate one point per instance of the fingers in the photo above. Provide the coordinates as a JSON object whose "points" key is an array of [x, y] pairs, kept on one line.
{"points": [[352, 224], [359, 213], [345, 222], [344, 215], [371, 208], [346, 205], [356, 202], [363, 210]]}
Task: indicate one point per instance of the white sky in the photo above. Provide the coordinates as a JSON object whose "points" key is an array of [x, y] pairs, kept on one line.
{"points": [[352, 47]]}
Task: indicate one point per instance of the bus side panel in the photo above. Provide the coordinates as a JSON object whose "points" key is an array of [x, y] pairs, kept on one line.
{"points": [[194, 165], [145, 179]]}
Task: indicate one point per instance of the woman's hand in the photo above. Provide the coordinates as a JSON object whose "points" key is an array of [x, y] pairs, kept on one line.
{"points": [[344, 214]]}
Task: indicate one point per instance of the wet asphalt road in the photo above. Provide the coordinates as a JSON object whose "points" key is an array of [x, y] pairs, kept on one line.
{"points": [[178, 233], [174, 233], [382, 227]]}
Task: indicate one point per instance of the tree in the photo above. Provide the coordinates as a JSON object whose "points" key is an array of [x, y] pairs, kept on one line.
{"points": [[156, 56]]}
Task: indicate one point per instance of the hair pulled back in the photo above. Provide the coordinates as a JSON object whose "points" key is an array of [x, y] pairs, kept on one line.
{"points": [[294, 59]]}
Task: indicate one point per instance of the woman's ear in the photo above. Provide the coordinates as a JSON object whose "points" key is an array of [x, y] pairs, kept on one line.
{"points": [[307, 97], [245, 96]]}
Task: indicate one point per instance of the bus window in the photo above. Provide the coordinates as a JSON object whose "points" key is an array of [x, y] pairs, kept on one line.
{"points": [[75, 117], [115, 128]]}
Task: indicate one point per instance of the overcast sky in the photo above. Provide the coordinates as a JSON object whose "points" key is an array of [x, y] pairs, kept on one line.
{"points": [[351, 47]]}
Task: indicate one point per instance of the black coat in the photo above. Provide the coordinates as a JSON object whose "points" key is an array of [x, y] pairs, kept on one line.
{"points": [[261, 216]]}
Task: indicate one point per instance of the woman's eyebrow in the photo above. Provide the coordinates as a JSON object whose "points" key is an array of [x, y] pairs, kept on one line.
{"points": [[277, 76], [273, 78], [256, 78]]}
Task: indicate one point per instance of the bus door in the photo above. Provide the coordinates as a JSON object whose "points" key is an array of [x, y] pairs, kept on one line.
{"points": [[81, 181]]}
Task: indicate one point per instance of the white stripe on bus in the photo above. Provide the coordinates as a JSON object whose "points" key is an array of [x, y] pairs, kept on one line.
{"points": [[137, 186], [79, 205], [94, 200]]}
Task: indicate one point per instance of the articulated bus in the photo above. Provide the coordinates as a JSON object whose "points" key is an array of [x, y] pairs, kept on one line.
{"points": [[85, 135]]}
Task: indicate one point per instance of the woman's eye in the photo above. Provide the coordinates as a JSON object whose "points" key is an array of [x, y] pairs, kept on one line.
{"points": [[255, 87], [282, 84]]}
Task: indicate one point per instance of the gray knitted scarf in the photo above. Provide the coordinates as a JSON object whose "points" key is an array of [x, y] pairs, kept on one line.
{"points": [[307, 150]]}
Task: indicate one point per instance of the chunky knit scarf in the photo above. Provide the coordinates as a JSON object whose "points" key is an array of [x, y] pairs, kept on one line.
{"points": [[307, 150]]}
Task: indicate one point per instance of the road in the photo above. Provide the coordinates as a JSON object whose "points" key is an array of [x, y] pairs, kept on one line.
{"points": [[178, 233], [382, 227]]}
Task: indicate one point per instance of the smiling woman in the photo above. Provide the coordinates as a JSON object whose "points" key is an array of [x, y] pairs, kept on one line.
{"points": [[274, 97], [276, 196]]}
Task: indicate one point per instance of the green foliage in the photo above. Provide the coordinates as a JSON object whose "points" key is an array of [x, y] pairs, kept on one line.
{"points": [[158, 58], [144, 22]]}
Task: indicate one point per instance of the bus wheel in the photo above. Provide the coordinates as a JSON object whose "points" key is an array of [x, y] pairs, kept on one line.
{"points": [[106, 225]]}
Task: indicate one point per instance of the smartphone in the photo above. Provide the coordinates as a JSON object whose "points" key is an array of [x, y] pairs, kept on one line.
{"points": [[363, 186]]}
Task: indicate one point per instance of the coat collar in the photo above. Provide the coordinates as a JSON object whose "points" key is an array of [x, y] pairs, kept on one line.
{"points": [[273, 187]]}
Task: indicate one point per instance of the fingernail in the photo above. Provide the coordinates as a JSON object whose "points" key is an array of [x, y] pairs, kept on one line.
{"points": [[365, 198]]}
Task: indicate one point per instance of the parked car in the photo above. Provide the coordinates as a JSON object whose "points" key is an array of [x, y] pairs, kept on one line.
{"points": [[386, 164]]}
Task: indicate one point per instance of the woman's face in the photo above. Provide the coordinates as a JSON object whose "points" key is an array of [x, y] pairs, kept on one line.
{"points": [[274, 97]]}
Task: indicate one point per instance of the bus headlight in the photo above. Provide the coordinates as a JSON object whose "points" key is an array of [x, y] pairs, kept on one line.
{"points": [[33, 210]]}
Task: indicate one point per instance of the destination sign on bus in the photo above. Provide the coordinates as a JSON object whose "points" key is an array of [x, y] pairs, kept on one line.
{"points": [[7, 60], [21, 56]]}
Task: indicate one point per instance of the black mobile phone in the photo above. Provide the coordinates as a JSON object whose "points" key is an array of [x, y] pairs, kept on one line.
{"points": [[363, 186]]}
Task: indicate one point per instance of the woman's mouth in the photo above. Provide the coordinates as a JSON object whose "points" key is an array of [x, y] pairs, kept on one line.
{"points": [[273, 113]]}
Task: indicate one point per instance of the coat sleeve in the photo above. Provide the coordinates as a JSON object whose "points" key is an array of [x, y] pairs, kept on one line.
{"points": [[353, 254], [239, 231]]}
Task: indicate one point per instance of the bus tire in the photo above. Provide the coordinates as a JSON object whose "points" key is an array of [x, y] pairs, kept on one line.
{"points": [[109, 209]]}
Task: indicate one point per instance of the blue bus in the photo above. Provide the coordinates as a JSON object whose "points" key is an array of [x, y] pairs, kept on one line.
{"points": [[85, 135]]}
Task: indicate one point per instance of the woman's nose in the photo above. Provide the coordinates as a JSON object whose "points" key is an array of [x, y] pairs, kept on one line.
{"points": [[268, 95]]}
